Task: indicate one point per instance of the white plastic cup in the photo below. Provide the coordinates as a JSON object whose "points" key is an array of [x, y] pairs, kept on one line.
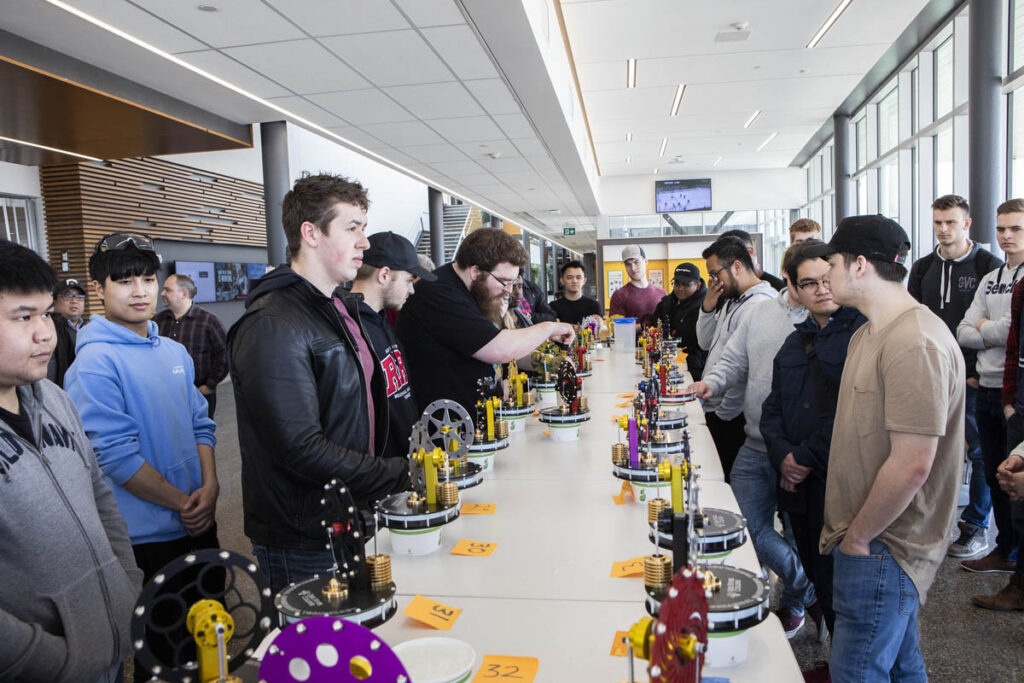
{"points": [[485, 460], [516, 425], [436, 660], [569, 432], [546, 398], [415, 541], [625, 335], [727, 649], [644, 491]]}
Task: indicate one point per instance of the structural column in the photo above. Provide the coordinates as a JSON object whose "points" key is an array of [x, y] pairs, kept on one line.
{"points": [[526, 245], [984, 81], [842, 162], [435, 202], [543, 266], [276, 183]]}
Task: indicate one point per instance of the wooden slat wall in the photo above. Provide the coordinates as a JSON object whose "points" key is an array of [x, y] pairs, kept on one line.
{"points": [[82, 202]]}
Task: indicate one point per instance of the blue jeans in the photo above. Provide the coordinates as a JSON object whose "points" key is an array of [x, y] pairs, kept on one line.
{"points": [[980, 503], [280, 566], [876, 606], [753, 483]]}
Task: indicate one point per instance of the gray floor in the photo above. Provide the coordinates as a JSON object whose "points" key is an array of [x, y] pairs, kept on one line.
{"points": [[960, 642]]}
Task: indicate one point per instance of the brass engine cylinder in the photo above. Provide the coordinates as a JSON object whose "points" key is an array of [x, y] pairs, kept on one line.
{"points": [[657, 571], [380, 571], [447, 493], [501, 429], [654, 508], [620, 454], [584, 404], [530, 397]]}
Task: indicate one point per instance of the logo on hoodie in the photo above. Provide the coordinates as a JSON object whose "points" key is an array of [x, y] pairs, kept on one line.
{"points": [[393, 366], [178, 370], [12, 447]]}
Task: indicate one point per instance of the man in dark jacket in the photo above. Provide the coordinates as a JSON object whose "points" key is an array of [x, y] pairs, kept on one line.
{"points": [[681, 308], [945, 281], [797, 416], [68, 319], [309, 393], [534, 304]]}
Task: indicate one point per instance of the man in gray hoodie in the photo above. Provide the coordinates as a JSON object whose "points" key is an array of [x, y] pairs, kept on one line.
{"points": [[733, 282], [745, 366], [69, 576]]}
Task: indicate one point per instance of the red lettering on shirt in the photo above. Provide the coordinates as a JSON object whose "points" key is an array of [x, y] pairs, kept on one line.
{"points": [[393, 366]]}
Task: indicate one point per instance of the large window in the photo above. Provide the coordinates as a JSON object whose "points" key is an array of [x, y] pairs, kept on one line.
{"points": [[1016, 170], [944, 78], [17, 219], [889, 188], [1016, 35], [860, 128], [944, 162], [888, 121]]}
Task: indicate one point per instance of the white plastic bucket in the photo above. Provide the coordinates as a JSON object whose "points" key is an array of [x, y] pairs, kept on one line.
{"points": [[546, 398], [516, 425], [644, 491], [485, 460], [558, 432], [625, 335], [728, 649], [415, 541], [436, 660]]}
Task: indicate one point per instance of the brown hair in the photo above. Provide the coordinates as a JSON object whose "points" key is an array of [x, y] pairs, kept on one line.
{"points": [[951, 201], [890, 272], [798, 254], [1010, 206], [804, 225], [312, 199], [487, 247]]}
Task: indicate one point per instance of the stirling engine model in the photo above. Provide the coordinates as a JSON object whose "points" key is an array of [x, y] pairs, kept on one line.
{"points": [[520, 401], [563, 421]]}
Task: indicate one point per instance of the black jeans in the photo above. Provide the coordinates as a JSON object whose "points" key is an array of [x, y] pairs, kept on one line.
{"points": [[728, 436], [988, 412], [211, 400], [818, 567], [151, 558], [1014, 436]]}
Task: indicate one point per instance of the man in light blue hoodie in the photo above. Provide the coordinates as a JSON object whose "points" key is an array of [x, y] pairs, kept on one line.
{"points": [[142, 412]]}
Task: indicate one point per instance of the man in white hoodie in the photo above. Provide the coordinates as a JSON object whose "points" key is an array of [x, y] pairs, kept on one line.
{"points": [[746, 365], [733, 282], [984, 328]]}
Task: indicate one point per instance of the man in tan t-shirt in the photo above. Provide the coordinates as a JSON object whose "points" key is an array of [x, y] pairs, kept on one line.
{"points": [[894, 464]]}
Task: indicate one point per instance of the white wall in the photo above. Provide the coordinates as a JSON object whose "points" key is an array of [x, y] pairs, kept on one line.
{"points": [[783, 188], [397, 202], [19, 180]]}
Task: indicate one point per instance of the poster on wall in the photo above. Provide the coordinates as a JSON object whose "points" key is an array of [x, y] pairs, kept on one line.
{"points": [[232, 281], [202, 274], [614, 281], [254, 271], [656, 278]]}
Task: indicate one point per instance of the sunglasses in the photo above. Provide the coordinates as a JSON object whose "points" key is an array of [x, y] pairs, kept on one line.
{"points": [[122, 240]]}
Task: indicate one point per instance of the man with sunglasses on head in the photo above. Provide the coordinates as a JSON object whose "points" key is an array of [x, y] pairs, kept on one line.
{"points": [[144, 416], [68, 307], [446, 326]]}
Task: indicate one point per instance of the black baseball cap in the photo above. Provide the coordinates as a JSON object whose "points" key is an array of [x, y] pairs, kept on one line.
{"points": [[876, 238], [65, 285], [388, 250], [686, 273]]}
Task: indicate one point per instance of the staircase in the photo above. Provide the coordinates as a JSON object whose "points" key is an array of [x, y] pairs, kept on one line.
{"points": [[456, 216]]}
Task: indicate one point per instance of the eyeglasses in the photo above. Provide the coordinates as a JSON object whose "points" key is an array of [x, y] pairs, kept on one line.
{"points": [[67, 296], [714, 273], [122, 240], [505, 284], [812, 285]]}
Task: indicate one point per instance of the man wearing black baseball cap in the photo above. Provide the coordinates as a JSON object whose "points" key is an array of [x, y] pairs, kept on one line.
{"points": [[681, 307], [68, 307], [385, 280], [894, 465]]}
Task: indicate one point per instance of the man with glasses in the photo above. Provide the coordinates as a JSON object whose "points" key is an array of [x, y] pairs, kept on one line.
{"points": [[797, 416], [733, 280], [144, 416], [446, 326], [68, 307]]}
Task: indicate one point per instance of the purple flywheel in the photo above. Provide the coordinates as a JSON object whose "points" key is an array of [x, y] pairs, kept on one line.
{"points": [[321, 649]]}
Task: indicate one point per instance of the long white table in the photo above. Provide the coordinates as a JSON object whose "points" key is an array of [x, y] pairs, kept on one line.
{"points": [[546, 591]]}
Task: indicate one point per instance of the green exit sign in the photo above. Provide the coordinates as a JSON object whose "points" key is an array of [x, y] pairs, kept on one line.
{"points": [[569, 230]]}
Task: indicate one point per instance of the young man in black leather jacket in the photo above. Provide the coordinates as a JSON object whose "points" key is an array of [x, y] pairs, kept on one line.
{"points": [[309, 393]]}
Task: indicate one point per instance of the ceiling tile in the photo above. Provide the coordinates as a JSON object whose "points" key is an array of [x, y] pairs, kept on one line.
{"points": [[431, 12], [140, 24], [358, 136], [362, 106], [405, 133], [338, 17], [289, 63], [481, 148], [515, 125], [306, 109], [494, 95], [234, 23], [393, 58], [222, 66], [466, 129], [461, 48], [435, 100], [431, 153], [460, 169], [530, 147]]}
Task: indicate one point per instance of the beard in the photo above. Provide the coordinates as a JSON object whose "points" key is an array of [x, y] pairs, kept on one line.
{"points": [[489, 305]]}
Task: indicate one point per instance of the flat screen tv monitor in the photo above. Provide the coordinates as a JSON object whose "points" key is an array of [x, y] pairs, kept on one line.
{"points": [[202, 273], [672, 196]]}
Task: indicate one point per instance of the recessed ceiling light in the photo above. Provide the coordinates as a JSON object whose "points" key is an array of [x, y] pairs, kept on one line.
{"points": [[629, 137], [664, 143], [627, 160], [207, 8], [678, 98], [49, 149], [766, 141], [630, 73], [829, 23], [655, 171], [717, 162], [753, 117]]}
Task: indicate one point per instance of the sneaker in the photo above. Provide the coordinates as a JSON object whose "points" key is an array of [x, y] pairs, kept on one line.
{"points": [[791, 622], [818, 617], [993, 562], [971, 541], [1009, 598]]}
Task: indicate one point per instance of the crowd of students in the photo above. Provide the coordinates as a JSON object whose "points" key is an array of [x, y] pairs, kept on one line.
{"points": [[840, 401]]}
